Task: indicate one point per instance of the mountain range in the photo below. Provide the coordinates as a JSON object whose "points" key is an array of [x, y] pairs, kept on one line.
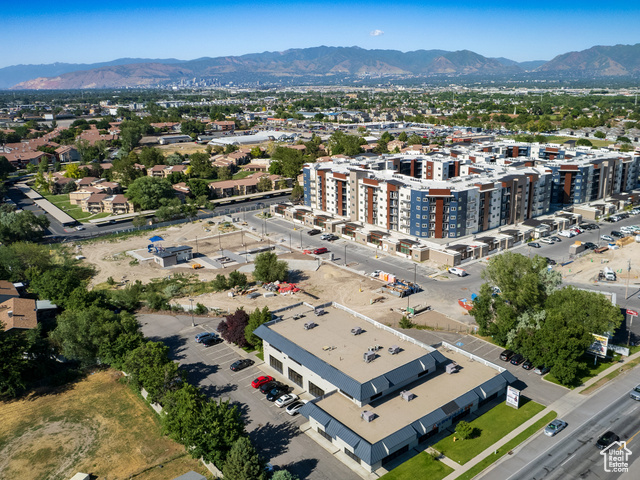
{"points": [[318, 64]]}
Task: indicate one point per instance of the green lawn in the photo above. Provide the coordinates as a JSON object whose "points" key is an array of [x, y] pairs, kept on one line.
{"points": [[597, 142], [507, 447], [421, 466], [493, 425], [62, 202], [589, 371], [241, 174]]}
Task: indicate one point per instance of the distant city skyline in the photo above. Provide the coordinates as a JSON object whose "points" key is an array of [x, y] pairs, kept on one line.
{"points": [[81, 32]]}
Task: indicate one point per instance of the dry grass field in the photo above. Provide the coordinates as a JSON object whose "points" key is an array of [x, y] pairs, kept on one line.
{"points": [[96, 426]]}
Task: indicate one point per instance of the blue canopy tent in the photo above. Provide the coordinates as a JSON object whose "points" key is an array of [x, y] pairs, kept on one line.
{"points": [[156, 239]]}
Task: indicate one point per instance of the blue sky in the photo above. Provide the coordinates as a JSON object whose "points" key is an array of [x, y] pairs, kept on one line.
{"points": [[88, 32]]}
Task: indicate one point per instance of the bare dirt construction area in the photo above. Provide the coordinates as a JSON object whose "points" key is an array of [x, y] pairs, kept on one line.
{"points": [[111, 259], [585, 269], [186, 148], [96, 426]]}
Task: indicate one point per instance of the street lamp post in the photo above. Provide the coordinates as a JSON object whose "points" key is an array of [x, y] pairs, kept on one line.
{"points": [[193, 323], [345, 255]]}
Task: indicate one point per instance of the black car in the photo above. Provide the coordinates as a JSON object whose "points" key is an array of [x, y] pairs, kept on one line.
{"points": [[506, 355], [277, 392], [534, 244], [210, 341], [315, 231], [550, 261], [607, 439], [589, 245], [517, 359], [241, 364], [267, 387], [527, 365], [616, 234]]}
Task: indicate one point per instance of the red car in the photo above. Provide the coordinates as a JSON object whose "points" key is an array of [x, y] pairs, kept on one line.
{"points": [[320, 250], [261, 381]]}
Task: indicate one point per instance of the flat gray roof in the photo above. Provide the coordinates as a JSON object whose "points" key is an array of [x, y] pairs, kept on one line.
{"points": [[393, 412], [332, 342]]}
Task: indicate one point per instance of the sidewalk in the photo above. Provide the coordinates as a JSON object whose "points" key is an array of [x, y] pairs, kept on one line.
{"points": [[561, 406]]}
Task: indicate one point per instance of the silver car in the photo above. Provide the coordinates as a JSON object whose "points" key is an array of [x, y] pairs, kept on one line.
{"points": [[555, 427]]}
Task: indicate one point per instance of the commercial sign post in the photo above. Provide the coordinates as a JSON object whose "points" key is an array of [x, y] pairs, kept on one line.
{"points": [[630, 314], [513, 397], [599, 347]]}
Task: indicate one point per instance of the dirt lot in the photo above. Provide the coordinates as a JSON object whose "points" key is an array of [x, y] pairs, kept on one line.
{"points": [[328, 283], [97, 426], [182, 148], [586, 269]]}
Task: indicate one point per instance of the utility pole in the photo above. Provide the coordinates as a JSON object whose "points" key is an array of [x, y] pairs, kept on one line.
{"points": [[345, 255], [626, 291], [193, 323]]}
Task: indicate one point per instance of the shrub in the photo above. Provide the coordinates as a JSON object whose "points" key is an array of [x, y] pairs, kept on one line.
{"points": [[405, 322], [200, 309], [220, 283], [464, 430]]}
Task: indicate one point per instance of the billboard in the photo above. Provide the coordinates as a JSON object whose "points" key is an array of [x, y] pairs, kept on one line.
{"points": [[513, 397], [599, 345]]}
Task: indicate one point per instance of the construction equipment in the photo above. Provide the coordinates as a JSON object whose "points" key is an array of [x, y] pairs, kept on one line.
{"points": [[195, 266], [401, 288]]}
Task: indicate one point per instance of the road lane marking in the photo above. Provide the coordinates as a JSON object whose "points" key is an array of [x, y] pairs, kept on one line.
{"points": [[567, 460], [631, 438]]}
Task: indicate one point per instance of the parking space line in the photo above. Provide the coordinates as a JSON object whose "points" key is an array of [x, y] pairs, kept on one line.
{"points": [[223, 355], [230, 361], [248, 376]]}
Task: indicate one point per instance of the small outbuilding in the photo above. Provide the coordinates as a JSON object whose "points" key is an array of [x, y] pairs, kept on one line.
{"points": [[170, 256]]}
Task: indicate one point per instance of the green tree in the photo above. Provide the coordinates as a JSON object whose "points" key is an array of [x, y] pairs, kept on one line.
{"points": [[5, 168], [403, 137], [13, 362], [283, 475], [149, 367], [584, 142], [198, 188], [200, 166], [148, 193], [341, 143], [237, 279], [257, 318], [464, 430], [124, 170], [267, 268], [219, 429], [71, 170], [264, 184], [96, 334], [130, 135], [219, 284], [600, 134], [297, 192], [151, 157], [256, 152], [22, 226], [243, 462]]}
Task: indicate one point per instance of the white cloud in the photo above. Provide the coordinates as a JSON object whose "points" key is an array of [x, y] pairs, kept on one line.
{"points": [[376, 33]]}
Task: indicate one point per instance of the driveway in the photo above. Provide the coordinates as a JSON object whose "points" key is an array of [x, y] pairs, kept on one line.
{"points": [[276, 434]]}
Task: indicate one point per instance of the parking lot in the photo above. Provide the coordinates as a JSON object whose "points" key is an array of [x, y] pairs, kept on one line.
{"points": [[276, 434]]}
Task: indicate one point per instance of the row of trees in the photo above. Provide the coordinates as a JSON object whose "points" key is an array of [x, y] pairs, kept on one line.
{"points": [[549, 325]]}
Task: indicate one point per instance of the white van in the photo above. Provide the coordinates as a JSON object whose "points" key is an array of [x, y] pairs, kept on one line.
{"points": [[566, 233]]}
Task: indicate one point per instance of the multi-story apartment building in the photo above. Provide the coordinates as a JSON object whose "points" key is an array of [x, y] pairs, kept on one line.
{"points": [[464, 191]]}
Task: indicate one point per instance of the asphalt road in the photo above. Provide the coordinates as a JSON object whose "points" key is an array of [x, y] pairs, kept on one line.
{"points": [[572, 453], [276, 434]]}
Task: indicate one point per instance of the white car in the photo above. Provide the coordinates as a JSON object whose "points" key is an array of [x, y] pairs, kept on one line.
{"points": [[294, 407], [458, 271], [547, 241], [286, 399], [79, 228], [566, 233], [606, 238]]}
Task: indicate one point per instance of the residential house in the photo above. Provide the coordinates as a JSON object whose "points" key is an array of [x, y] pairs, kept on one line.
{"points": [[101, 202], [67, 153]]}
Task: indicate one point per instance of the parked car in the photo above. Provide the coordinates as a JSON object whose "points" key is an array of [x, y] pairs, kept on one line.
{"points": [[267, 387], [566, 233], [556, 239], [606, 238], [506, 355], [589, 245], [314, 231], [527, 365], [534, 244], [286, 399], [332, 237], [517, 359], [321, 250], [79, 228], [542, 370], [201, 336], [295, 407], [607, 439], [635, 393], [616, 234], [548, 241], [461, 272], [277, 392], [324, 236], [258, 382], [210, 341], [241, 364], [555, 427], [550, 261]]}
